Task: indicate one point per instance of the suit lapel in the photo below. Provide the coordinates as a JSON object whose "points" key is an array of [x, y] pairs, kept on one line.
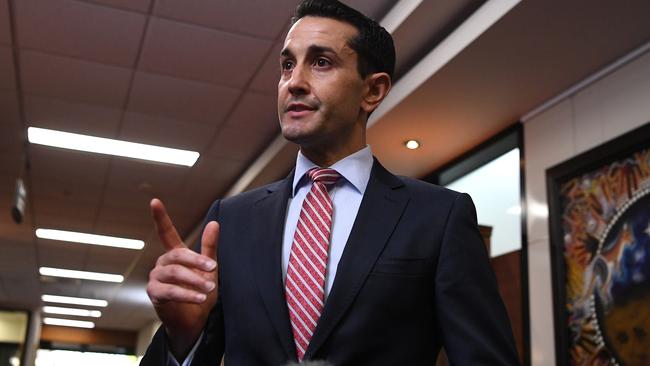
{"points": [[381, 208], [269, 213]]}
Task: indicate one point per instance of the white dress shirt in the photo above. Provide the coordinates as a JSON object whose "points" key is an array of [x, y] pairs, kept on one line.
{"points": [[346, 197]]}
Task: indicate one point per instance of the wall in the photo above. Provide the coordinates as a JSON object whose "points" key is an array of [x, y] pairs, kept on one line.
{"points": [[605, 109], [145, 335], [13, 326]]}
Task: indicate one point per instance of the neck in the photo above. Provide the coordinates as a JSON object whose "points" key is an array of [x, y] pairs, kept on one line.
{"points": [[327, 157]]}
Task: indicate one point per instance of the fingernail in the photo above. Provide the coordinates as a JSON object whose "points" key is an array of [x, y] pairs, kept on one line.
{"points": [[209, 265], [209, 286], [200, 297]]}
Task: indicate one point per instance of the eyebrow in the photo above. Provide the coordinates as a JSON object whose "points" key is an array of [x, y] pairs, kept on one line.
{"points": [[311, 50]]}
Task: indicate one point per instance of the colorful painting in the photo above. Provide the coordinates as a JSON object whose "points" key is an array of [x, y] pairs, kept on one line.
{"points": [[600, 220]]}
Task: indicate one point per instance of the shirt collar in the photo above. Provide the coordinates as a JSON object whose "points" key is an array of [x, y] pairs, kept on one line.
{"points": [[355, 168]]}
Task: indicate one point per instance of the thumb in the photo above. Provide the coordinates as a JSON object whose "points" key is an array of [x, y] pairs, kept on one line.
{"points": [[210, 239]]}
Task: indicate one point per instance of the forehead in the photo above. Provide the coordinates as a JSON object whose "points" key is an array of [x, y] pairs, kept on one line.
{"points": [[319, 30]]}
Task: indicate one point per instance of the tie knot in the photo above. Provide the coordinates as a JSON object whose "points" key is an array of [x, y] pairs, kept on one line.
{"points": [[326, 176]]}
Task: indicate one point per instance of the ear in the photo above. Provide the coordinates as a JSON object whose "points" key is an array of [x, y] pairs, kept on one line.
{"points": [[377, 87]]}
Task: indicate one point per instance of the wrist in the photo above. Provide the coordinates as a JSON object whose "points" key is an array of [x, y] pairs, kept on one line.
{"points": [[181, 342]]}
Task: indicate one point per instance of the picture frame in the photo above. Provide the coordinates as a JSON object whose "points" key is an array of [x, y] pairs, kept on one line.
{"points": [[599, 222]]}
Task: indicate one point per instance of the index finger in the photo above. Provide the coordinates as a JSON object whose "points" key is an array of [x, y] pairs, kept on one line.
{"points": [[166, 230]]}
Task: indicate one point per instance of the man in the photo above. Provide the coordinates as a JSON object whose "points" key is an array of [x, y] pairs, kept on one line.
{"points": [[348, 264]]}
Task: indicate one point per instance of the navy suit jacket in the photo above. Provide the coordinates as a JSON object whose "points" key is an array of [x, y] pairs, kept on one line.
{"points": [[414, 276]]}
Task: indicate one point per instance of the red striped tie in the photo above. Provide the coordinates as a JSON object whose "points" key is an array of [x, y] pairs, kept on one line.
{"points": [[308, 260]]}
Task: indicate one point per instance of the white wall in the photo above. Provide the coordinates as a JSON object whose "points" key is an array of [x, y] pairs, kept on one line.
{"points": [[605, 109], [145, 335]]}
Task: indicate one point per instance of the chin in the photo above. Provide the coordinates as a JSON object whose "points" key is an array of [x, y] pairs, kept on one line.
{"points": [[294, 131]]}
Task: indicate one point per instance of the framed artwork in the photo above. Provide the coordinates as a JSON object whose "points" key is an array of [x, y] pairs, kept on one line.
{"points": [[599, 217]]}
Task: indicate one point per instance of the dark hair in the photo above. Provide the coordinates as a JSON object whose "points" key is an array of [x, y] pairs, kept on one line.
{"points": [[373, 44]]}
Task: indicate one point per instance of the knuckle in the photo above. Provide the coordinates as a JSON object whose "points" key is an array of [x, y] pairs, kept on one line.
{"points": [[173, 292]]}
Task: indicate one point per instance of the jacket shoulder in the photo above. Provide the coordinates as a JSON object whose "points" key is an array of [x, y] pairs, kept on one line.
{"points": [[423, 189]]}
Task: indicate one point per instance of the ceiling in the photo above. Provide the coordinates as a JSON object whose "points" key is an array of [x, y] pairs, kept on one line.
{"points": [[202, 75]]}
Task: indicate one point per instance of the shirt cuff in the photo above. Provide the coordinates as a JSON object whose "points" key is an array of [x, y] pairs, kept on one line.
{"points": [[171, 360]]}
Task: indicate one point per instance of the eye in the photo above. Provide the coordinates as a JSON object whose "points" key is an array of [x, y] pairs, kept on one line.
{"points": [[323, 62], [287, 65]]}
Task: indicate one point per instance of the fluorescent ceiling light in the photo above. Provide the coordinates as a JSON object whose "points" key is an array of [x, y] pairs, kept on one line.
{"points": [[74, 300], [71, 311], [83, 275], [398, 14], [71, 236], [69, 323], [100, 145], [477, 23]]}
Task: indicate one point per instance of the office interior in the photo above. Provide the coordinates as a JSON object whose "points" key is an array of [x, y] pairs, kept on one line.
{"points": [[493, 92]]}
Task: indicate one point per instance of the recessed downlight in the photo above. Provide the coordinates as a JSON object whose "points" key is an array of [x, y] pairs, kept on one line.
{"points": [[412, 144]]}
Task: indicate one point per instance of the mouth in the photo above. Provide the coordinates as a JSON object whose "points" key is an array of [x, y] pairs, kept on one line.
{"points": [[298, 109]]}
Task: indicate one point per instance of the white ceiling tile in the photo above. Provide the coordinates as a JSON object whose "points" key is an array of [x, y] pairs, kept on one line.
{"points": [[68, 190], [156, 130], [267, 76], [11, 167], [67, 116], [238, 144], [12, 131], [140, 216], [57, 220], [137, 5], [23, 289], [5, 31], [16, 256], [180, 99], [255, 17], [256, 113], [73, 79], [7, 71], [99, 290], [80, 30], [200, 53], [74, 211], [49, 163], [52, 286], [59, 254], [129, 196], [124, 229], [209, 179], [110, 260], [133, 174]]}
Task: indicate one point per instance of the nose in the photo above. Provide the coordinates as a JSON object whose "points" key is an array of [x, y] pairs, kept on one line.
{"points": [[299, 81]]}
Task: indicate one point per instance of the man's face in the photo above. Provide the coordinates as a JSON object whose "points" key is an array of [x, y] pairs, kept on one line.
{"points": [[320, 90]]}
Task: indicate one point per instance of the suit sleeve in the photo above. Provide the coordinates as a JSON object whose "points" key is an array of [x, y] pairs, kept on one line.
{"points": [[211, 345], [471, 316]]}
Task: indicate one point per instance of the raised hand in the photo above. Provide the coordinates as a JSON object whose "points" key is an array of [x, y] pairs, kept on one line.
{"points": [[183, 285]]}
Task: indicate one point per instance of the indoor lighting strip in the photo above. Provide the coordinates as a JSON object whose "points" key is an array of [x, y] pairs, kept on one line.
{"points": [[71, 311], [83, 238], [74, 300], [69, 323], [100, 145], [82, 275]]}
